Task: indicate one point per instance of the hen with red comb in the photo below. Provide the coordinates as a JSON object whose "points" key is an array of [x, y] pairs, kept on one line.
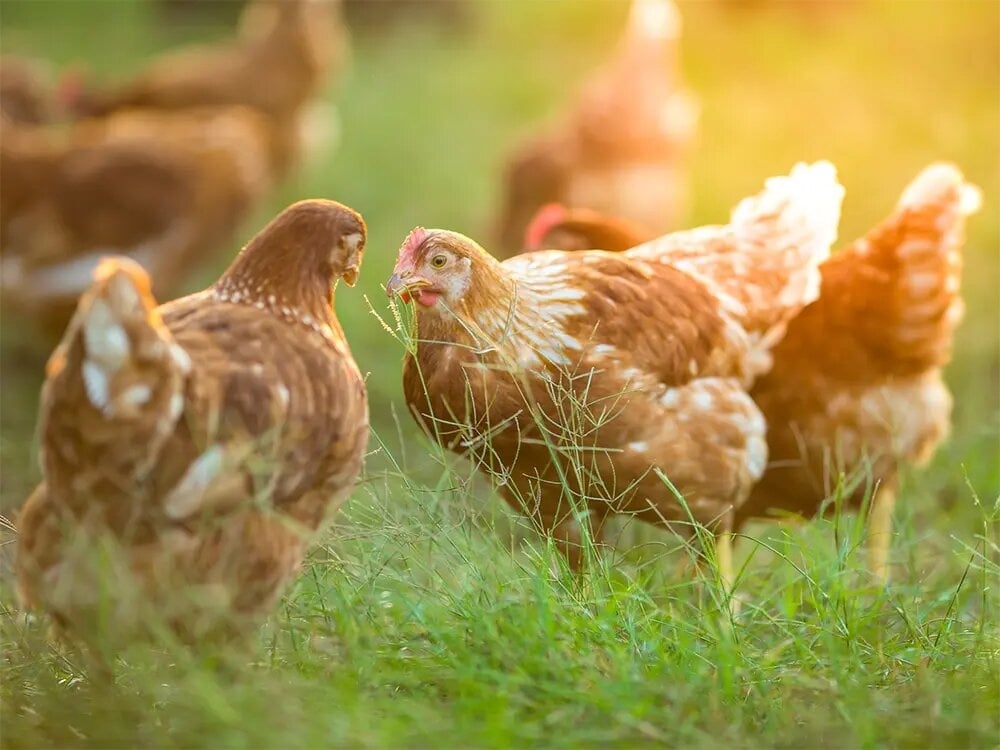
{"points": [[575, 378]]}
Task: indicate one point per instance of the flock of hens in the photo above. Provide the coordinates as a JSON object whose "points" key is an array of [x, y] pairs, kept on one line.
{"points": [[713, 375]]}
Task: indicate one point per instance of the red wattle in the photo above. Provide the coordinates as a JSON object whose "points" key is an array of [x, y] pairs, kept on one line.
{"points": [[428, 298]]}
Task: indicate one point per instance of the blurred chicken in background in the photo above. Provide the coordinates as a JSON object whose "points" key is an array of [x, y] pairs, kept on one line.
{"points": [[856, 388], [167, 189], [276, 64], [371, 13], [621, 148], [26, 90], [367, 13]]}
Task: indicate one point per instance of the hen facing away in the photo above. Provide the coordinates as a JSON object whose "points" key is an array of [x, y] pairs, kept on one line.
{"points": [[166, 189], [204, 440], [275, 65], [622, 146], [857, 384], [856, 387], [575, 379]]}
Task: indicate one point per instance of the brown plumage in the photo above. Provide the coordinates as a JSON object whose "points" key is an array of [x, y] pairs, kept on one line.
{"points": [[856, 386], [168, 190], [556, 227], [204, 440], [622, 146], [573, 378], [276, 65], [27, 95]]}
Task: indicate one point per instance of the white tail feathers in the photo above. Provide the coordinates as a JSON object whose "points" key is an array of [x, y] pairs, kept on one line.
{"points": [[116, 325], [764, 266], [796, 216], [940, 184], [104, 315], [805, 202]]}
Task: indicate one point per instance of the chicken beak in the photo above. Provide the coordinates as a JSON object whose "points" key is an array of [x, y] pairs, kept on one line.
{"points": [[350, 276], [403, 283]]}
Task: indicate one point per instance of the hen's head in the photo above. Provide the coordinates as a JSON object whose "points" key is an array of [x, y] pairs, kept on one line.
{"points": [[555, 227], [299, 257], [435, 265]]}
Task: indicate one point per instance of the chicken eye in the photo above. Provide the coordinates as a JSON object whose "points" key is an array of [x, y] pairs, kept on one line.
{"points": [[438, 261]]}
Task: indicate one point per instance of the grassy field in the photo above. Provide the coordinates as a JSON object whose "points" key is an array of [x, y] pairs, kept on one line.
{"points": [[429, 615]]}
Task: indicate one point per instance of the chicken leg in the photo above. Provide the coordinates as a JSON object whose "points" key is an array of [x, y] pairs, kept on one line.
{"points": [[880, 532]]}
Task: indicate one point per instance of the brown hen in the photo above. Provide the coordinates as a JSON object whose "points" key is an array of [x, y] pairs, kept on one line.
{"points": [[856, 387], [275, 65], [202, 441], [621, 147], [575, 379], [168, 190]]}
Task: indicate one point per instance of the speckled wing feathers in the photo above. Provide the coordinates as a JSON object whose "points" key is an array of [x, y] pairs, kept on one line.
{"points": [[291, 389], [764, 265]]}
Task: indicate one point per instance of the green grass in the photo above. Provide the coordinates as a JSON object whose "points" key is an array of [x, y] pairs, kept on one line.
{"points": [[429, 615]]}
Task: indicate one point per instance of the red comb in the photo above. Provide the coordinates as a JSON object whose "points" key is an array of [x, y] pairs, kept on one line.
{"points": [[413, 241], [71, 87], [541, 224]]}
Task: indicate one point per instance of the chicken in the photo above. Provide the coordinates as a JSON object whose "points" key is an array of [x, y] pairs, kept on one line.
{"points": [[456, 14], [358, 13], [26, 94], [556, 227], [579, 381], [621, 148], [166, 189], [276, 65], [856, 386], [203, 441]]}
